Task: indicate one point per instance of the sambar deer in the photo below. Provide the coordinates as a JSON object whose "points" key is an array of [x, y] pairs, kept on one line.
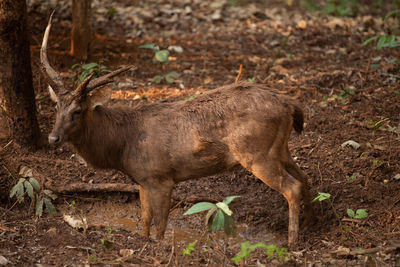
{"points": [[160, 144]]}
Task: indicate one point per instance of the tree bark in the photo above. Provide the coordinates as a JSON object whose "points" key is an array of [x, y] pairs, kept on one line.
{"points": [[81, 28], [16, 83]]}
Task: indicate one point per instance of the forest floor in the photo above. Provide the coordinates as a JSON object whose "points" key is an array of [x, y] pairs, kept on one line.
{"points": [[349, 92]]}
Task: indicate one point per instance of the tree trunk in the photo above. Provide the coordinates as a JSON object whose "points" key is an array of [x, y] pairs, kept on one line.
{"points": [[16, 74], [81, 28]]}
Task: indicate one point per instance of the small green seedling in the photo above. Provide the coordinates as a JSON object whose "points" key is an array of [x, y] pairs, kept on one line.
{"points": [[220, 214], [246, 249], [160, 55], [352, 177], [326, 196], [83, 71], [252, 79], [169, 77], [359, 214], [28, 185], [189, 249]]}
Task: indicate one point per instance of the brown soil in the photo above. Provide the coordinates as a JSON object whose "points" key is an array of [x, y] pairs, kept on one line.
{"points": [[321, 60]]}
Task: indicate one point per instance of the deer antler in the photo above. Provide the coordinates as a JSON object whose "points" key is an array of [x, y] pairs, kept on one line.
{"points": [[53, 77], [107, 78]]}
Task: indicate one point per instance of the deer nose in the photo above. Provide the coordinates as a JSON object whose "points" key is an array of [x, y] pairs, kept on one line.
{"points": [[54, 139]]}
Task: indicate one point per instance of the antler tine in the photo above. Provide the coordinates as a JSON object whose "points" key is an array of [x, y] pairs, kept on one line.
{"points": [[53, 77], [81, 90], [107, 78]]}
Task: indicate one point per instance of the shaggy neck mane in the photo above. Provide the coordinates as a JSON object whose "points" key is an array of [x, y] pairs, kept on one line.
{"points": [[104, 135]]}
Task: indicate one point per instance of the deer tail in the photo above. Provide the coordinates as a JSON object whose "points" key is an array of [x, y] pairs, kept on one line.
{"points": [[297, 113], [298, 118]]}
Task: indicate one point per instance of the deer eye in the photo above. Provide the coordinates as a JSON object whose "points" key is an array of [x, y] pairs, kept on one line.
{"points": [[76, 114]]}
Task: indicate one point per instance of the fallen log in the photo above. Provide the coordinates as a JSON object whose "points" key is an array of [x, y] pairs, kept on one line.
{"points": [[85, 187]]}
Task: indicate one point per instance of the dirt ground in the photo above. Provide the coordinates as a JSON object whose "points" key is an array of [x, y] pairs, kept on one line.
{"points": [[349, 92]]}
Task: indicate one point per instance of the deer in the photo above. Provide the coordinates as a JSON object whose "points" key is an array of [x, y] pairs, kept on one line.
{"points": [[160, 144]]}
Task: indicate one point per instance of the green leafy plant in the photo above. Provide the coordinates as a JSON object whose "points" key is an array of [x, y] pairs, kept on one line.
{"points": [[106, 242], [383, 41], [326, 196], [92, 258], [83, 71], [246, 249], [390, 39], [160, 55], [358, 214], [218, 216], [252, 79], [341, 8], [112, 11], [169, 77], [189, 249], [352, 177], [28, 185]]}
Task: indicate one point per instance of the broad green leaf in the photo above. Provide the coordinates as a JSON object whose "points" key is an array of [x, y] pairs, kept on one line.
{"points": [[224, 208], [39, 207], [209, 214], [157, 78], [20, 192], [25, 172], [350, 212], [218, 221], [35, 184], [90, 66], [162, 55], [169, 79], [229, 199], [50, 194], [322, 196], [29, 189], [15, 189], [199, 207], [229, 225], [381, 42], [171, 76], [369, 40], [361, 214], [49, 206], [148, 46]]}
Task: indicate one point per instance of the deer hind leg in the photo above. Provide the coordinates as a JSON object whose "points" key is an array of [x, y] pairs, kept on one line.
{"points": [[146, 211], [272, 173], [294, 170]]}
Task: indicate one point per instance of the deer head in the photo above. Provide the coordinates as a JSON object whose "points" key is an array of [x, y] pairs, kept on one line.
{"points": [[73, 106]]}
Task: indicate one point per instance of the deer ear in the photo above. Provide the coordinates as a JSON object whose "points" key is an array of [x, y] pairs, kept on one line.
{"points": [[100, 96], [53, 95]]}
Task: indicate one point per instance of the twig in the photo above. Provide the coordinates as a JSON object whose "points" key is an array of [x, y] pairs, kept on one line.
{"points": [[194, 199], [356, 252], [239, 74], [358, 221], [173, 247], [144, 247]]}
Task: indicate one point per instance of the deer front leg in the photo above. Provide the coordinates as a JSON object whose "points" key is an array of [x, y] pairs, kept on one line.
{"points": [[161, 202], [146, 211]]}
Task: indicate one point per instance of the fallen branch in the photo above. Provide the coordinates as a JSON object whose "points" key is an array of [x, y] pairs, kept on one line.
{"points": [[349, 252], [115, 187], [85, 187]]}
